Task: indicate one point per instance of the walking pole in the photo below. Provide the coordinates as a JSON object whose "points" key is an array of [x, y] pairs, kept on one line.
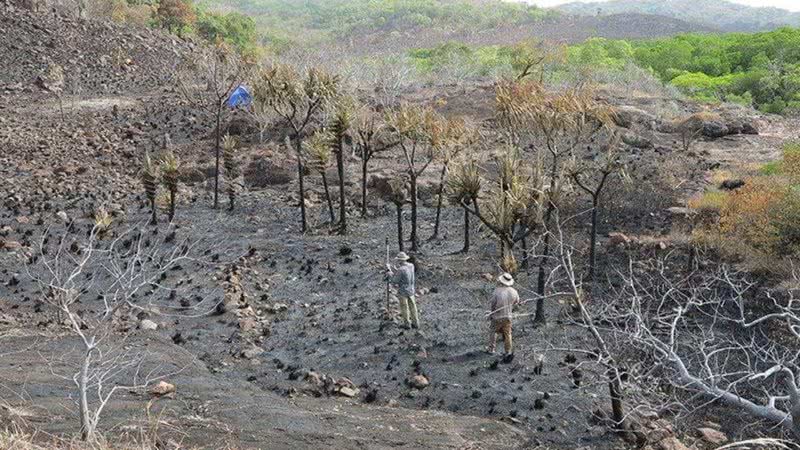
{"points": [[388, 314]]}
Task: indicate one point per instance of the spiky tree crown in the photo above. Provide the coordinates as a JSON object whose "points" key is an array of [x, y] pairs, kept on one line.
{"points": [[318, 149], [343, 117], [170, 167], [464, 184]]}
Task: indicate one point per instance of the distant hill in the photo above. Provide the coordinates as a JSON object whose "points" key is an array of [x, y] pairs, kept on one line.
{"points": [[400, 24], [724, 15]]}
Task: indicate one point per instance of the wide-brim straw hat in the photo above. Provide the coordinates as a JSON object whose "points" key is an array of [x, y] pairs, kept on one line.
{"points": [[402, 256], [506, 279]]}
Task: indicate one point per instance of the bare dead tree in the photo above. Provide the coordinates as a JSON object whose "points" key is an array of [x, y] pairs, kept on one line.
{"points": [[92, 283], [701, 338], [207, 82], [371, 139], [590, 175]]}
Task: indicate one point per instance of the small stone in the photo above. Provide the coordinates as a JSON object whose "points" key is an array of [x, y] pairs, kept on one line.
{"points": [[163, 388], [148, 324], [671, 443], [419, 382], [348, 392], [252, 352], [615, 239], [63, 216], [712, 436], [10, 245]]}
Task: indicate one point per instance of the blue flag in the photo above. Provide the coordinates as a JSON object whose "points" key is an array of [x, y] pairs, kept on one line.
{"points": [[239, 97]]}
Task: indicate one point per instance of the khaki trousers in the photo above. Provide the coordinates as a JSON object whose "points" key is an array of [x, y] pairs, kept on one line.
{"points": [[500, 326], [408, 307]]}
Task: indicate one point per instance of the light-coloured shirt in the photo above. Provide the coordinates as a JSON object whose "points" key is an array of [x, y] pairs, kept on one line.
{"points": [[502, 302], [403, 277]]}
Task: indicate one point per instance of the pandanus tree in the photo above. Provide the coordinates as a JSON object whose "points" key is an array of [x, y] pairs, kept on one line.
{"points": [[590, 175], [207, 82], [231, 165], [450, 138], [170, 167], [553, 126], [371, 138], [513, 204], [150, 183], [340, 127], [318, 151], [298, 100], [415, 129], [463, 188]]}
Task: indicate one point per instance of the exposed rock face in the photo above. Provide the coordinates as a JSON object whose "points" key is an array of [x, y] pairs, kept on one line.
{"points": [[261, 173], [629, 116]]}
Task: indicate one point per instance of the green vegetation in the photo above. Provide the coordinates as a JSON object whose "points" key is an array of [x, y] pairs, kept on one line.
{"points": [[760, 69], [759, 222]]}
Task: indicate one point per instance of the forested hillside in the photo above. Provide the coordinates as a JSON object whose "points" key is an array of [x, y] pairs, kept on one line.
{"points": [[726, 16], [760, 69]]}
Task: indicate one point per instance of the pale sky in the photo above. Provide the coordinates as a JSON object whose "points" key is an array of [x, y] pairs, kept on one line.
{"points": [[792, 5]]}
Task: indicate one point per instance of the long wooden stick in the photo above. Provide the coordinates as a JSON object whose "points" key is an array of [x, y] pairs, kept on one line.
{"points": [[387, 280]]}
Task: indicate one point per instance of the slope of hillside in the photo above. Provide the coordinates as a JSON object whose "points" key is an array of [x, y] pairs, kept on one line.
{"points": [[716, 13], [384, 24]]}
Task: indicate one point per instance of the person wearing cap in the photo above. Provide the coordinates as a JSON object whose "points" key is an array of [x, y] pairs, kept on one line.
{"points": [[501, 306], [403, 277]]}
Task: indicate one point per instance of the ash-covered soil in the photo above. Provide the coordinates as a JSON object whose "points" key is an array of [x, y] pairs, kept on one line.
{"points": [[306, 355]]}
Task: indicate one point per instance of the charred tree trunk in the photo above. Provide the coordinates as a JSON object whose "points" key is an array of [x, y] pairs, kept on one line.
{"points": [[172, 195], [466, 231], [328, 196], [540, 318], [414, 239], [300, 178], [400, 226], [440, 195], [153, 211], [593, 242], [217, 155], [340, 171], [364, 163]]}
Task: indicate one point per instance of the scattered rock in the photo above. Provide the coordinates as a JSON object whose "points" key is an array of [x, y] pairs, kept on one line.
{"points": [[616, 239], [712, 436], [252, 352], [419, 382], [163, 389], [348, 392], [730, 185], [148, 324]]}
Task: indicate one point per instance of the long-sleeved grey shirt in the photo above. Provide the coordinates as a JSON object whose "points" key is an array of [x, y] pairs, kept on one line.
{"points": [[403, 277], [502, 302]]}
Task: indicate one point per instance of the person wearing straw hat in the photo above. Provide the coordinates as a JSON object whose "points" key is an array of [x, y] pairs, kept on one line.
{"points": [[501, 306], [403, 277]]}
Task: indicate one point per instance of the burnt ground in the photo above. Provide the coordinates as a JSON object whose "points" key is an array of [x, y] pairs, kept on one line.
{"points": [[318, 298]]}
